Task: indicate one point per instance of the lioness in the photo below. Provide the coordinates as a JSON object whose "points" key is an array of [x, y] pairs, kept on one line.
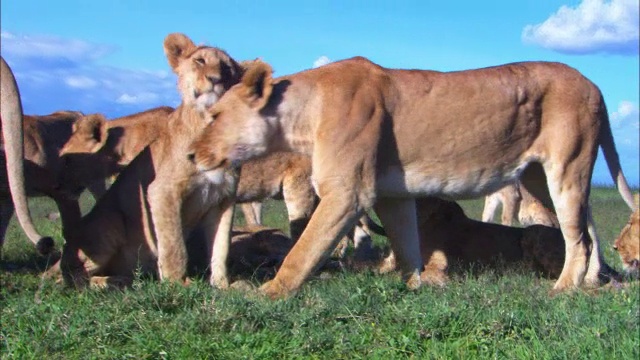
{"points": [[628, 244], [518, 203], [113, 144], [160, 197], [380, 137], [448, 236], [12, 146]]}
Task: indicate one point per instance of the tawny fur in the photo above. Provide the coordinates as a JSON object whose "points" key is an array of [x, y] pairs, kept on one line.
{"points": [[380, 137], [255, 253], [47, 174], [448, 237], [627, 244], [146, 215], [114, 144], [12, 185], [518, 203]]}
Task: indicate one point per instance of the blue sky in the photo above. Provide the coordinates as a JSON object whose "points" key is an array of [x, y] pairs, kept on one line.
{"points": [[106, 56]]}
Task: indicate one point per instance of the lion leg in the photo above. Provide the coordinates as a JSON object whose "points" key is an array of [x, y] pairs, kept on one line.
{"points": [[569, 195], [300, 199], [598, 271], [218, 224], [510, 204], [400, 222], [165, 207], [69, 216], [251, 216], [491, 203], [6, 211], [103, 282], [83, 257], [335, 215]]}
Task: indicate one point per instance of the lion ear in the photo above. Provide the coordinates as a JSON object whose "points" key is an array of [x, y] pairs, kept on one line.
{"points": [[176, 48], [94, 128], [257, 83]]}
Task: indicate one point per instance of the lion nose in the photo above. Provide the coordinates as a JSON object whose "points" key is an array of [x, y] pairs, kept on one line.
{"points": [[213, 79], [192, 157]]}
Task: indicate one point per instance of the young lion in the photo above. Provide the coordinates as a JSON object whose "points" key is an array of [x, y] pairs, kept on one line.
{"points": [[628, 243], [160, 197], [381, 137], [448, 236]]}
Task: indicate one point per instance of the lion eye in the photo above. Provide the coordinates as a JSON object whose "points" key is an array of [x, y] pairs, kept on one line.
{"points": [[199, 61]]}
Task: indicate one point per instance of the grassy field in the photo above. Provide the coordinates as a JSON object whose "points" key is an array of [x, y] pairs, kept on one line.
{"points": [[481, 314]]}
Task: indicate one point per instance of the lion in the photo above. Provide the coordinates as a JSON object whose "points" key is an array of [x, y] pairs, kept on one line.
{"points": [[13, 190], [98, 148], [160, 198], [518, 202], [627, 244], [381, 137], [447, 236], [282, 175]]}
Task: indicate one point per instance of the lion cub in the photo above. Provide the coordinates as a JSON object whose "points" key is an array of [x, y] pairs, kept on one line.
{"points": [[160, 198], [448, 236]]}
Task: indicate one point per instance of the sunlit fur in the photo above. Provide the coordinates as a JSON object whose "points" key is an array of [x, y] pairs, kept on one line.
{"points": [[628, 244], [160, 197], [380, 137]]}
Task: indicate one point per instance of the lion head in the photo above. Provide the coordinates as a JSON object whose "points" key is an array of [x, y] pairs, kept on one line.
{"points": [[628, 244], [204, 72]]}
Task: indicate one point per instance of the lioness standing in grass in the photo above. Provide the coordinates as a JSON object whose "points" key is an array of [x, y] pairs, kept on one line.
{"points": [[380, 137]]}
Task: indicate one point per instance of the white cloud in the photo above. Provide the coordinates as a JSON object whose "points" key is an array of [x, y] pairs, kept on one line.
{"points": [[593, 26], [46, 46], [80, 82], [56, 73], [322, 60], [141, 98]]}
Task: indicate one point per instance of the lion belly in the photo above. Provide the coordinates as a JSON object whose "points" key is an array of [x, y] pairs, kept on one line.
{"points": [[412, 181]]}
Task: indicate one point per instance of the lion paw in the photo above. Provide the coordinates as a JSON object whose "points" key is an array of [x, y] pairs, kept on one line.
{"points": [[413, 281], [274, 290]]}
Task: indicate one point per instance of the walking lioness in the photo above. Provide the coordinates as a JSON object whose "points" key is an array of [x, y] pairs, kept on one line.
{"points": [[380, 137]]}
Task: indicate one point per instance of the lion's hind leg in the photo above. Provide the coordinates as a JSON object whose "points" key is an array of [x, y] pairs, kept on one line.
{"points": [[567, 193], [399, 219]]}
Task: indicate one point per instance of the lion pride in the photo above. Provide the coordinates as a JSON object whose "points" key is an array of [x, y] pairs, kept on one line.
{"points": [[381, 137]]}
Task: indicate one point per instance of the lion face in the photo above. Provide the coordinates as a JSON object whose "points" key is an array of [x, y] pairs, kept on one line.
{"points": [[628, 245], [237, 129], [204, 73]]}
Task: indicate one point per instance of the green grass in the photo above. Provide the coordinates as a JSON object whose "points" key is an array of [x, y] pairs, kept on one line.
{"points": [[481, 314]]}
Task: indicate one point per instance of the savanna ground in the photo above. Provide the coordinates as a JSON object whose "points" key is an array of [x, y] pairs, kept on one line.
{"points": [[481, 314]]}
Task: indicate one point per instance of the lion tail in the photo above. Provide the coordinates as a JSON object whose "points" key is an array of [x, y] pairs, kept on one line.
{"points": [[612, 158]]}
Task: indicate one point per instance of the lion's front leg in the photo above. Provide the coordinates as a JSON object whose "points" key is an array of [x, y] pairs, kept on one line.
{"points": [[165, 207], [218, 224], [335, 215], [399, 219]]}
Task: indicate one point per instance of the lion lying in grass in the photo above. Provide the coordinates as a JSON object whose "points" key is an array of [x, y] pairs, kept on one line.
{"points": [[448, 236], [255, 253]]}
